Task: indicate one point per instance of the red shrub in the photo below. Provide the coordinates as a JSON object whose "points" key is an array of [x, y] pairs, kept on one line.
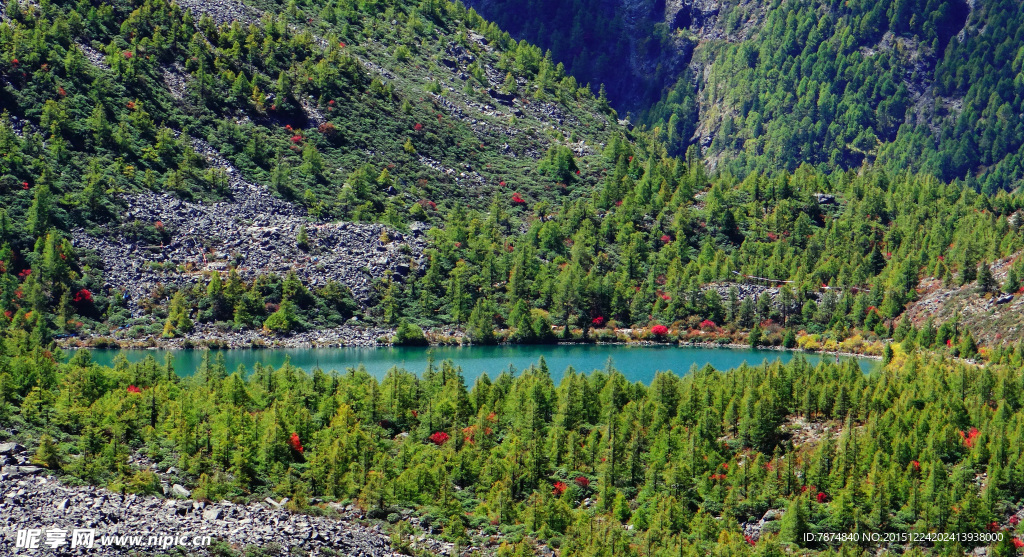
{"points": [[439, 438], [418, 126], [295, 443], [1018, 543], [708, 325], [821, 497], [517, 199], [132, 389], [915, 464], [559, 488], [296, 138], [970, 437], [583, 482], [666, 238], [597, 321], [659, 330], [82, 295]]}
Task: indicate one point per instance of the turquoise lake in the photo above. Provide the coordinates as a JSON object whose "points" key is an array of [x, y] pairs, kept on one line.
{"points": [[638, 363]]}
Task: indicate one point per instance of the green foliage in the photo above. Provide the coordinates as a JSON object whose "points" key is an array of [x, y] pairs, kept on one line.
{"points": [[409, 334], [282, 321], [47, 454], [661, 464]]}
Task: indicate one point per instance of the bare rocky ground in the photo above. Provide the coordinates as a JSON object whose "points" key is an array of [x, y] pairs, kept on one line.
{"points": [[991, 318], [32, 498], [255, 231]]}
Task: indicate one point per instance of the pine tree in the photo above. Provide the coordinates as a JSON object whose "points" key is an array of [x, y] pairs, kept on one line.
{"points": [[48, 454], [481, 323], [794, 522], [986, 282], [1012, 281], [968, 348], [755, 336]]}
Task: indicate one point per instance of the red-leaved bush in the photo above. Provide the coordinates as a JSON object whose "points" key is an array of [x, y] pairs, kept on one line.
{"points": [[295, 443], [597, 321], [583, 482], [82, 295], [517, 199], [132, 389], [659, 330], [439, 438], [821, 497], [708, 325], [970, 437], [559, 488]]}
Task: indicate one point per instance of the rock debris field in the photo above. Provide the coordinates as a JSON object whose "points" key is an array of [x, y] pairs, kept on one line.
{"points": [[31, 500], [254, 231]]}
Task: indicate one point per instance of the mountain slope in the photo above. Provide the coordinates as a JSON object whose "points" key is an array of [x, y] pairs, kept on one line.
{"points": [[280, 118], [928, 85]]}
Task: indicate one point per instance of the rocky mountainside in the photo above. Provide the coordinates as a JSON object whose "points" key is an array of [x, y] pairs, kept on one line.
{"points": [[270, 140], [758, 85], [994, 318], [253, 232]]}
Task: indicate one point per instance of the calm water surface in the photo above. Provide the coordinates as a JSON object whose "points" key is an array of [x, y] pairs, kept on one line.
{"points": [[638, 363]]}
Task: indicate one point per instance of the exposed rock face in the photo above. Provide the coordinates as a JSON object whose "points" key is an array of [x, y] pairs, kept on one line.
{"points": [[255, 231]]}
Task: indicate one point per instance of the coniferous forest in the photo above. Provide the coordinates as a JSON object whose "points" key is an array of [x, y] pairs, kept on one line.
{"points": [[814, 176]]}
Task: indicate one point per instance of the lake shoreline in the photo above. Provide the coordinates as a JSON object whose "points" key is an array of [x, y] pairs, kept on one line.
{"points": [[289, 343]]}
